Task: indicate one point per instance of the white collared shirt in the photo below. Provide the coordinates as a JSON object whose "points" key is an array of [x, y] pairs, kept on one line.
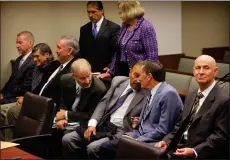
{"points": [[154, 91], [98, 24], [117, 117], [201, 101], [52, 75], [25, 57]]}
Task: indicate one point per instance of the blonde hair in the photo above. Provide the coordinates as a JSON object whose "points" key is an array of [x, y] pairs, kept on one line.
{"points": [[130, 10]]}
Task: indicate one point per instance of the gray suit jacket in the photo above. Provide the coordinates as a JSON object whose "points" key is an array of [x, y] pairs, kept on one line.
{"points": [[165, 112], [118, 85], [209, 131]]}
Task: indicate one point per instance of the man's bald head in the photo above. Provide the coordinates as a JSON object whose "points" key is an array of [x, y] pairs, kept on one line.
{"points": [[82, 74], [206, 58], [205, 71]]}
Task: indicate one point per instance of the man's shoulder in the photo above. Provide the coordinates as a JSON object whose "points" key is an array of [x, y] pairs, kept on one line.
{"points": [[66, 80], [98, 84], [86, 25], [111, 23], [119, 79]]}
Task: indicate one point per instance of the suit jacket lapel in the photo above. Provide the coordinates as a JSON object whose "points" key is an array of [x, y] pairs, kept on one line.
{"points": [[103, 28], [206, 104], [24, 65], [85, 96], [118, 92], [151, 105], [137, 98], [190, 106]]}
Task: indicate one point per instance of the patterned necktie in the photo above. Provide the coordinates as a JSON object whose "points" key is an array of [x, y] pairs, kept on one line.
{"points": [[196, 105], [145, 113], [77, 99], [118, 104], [95, 30]]}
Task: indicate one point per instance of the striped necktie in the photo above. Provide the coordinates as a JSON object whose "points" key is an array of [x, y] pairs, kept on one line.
{"points": [[145, 113]]}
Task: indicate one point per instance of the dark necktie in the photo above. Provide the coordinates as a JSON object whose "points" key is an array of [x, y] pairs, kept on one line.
{"points": [[195, 108], [147, 108], [118, 104], [95, 30], [185, 124], [36, 78], [77, 99]]}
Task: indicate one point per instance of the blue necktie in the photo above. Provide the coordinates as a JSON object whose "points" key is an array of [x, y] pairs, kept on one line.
{"points": [[95, 30], [145, 113], [118, 104]]}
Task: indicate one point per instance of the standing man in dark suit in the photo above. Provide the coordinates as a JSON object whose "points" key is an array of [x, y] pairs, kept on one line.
{"points": [[81, 93], [21, 77], [98, 37], [204, 129], [111, 118], [67, 52]]}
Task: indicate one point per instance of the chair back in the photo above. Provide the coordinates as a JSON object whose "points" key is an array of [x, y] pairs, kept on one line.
{"points": [[129, 148], [36, 116]]}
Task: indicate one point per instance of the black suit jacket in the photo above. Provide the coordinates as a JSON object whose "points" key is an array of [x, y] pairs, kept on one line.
{"points": [[99, 51], [20, 80], [208, 133], [89, 98], [47, 72], [53, 90]]}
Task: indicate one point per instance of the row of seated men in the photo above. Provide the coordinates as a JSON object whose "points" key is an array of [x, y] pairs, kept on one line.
{"points": [[143, 107]]}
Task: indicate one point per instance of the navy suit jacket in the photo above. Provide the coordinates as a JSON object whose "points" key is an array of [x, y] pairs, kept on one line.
{"points": [[166, 108], [99, 51], [20, 80]]}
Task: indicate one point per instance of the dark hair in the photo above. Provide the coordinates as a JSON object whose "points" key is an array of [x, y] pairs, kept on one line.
{"points": [[44, 48], [98, 4], [155, 68]]}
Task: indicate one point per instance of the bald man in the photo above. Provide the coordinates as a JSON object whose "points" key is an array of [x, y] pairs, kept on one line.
{"points": [[80, 94], [203, 131]]}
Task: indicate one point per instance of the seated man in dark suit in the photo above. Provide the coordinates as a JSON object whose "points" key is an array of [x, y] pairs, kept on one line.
{"points": [[98, 37], [81, 93], [204, 129], [67, 52], [20, 79], [159, 115], [111, 118], [44, 66]]}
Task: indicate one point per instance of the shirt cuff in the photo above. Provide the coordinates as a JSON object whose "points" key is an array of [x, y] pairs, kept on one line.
{"points": [[66, 115], [92, 123], [195, 153]]}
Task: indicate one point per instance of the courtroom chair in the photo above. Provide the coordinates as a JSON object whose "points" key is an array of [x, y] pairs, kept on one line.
{"points": [[186, 64], [129, 148], [34, 124], [226, 57]]}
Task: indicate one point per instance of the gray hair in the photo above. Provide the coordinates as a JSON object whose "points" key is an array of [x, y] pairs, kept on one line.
{"points": [[72, 43], [79, 65]]}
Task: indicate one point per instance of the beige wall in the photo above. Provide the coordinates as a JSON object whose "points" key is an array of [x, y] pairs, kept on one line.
{"points": [[204, 25], [49, 20]]}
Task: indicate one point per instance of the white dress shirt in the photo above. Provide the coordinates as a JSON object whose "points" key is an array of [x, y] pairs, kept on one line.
{"points": [[52, 75], [98, 24]]}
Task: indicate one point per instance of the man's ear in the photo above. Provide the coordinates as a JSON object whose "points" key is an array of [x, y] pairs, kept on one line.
{"points": [[70, 51]]}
